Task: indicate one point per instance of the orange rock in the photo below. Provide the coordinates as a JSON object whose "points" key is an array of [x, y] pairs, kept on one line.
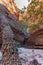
{"points": [[36, 21], [24, 14], [41, 26], [37, 8], [20, 16], [30, 23], [41, 1]]}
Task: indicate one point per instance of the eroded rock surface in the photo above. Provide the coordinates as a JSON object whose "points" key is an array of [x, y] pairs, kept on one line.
{"points": [[9, 49]]}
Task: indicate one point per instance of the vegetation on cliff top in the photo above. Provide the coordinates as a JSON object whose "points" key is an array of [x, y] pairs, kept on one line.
{"points": [[34, 15]]}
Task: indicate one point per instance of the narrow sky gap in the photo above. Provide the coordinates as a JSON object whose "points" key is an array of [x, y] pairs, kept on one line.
{"points": [[22, 3]]}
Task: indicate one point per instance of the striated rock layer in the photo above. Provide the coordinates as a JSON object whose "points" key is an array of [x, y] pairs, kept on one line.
{"points": [[9, 49]]}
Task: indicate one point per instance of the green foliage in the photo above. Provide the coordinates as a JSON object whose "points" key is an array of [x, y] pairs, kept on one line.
{"points": [[18, 44], [20, 21], [35, 13], [33, 27], [20, 11], [25, 27], [41, 11]]}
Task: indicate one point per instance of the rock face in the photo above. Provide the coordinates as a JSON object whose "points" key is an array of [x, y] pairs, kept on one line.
{"points": [[10, 53], [31, 56], [34, 62], [0, 36], [34, 20], [9, 49], [36, 39], [13, 22]]}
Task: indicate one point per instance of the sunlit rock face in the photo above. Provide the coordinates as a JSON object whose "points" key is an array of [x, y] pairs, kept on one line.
{"points": [[22, 4]]}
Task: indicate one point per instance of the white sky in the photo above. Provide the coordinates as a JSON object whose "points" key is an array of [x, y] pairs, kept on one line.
{"points": [[22, 3]]}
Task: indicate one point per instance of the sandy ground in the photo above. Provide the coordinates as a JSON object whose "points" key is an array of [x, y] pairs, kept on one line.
{"points": [[28, 55]]}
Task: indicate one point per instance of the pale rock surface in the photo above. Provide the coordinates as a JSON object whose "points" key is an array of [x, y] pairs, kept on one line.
{"points": [[28, 55]]}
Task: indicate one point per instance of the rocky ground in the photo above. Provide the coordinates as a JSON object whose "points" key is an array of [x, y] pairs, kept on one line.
{"points": [[29, 56]]}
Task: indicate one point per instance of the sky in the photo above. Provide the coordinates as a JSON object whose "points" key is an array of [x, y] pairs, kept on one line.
{"points": [[22, 3]]}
